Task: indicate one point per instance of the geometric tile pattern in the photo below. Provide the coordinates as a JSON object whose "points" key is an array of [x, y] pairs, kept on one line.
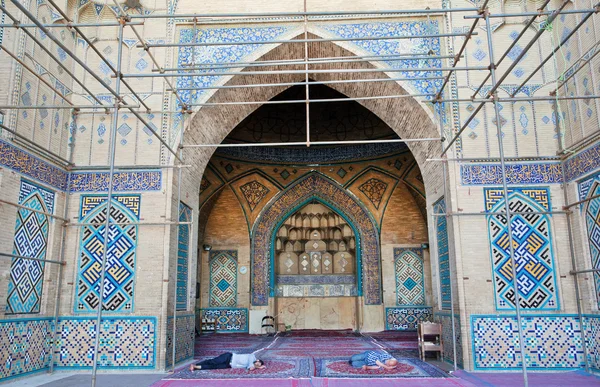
{"points": [[551, 342], [185, 332], [254, 193], [31, 240], [406, 318], [532, 241], [120, 259], [25, 346], [183, 239], [592, 221], [223, 278], [410, 286], [445, 319], [307, 189], [124, 342], [227, 319], [374, 190], [443, 254], [592, 339], [535, 173]]}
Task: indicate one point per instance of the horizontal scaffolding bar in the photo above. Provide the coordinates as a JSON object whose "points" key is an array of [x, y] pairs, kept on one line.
{"points": [[38, 147], [289, 72], [299, 14], [67, 25], [303, 83], [22, 107], [307, 101], [167, 223], [282, 41], [503, 213], [527, 14], [301, 61], [2, 201], [233, 65], [513, 99], [128, 167], [581, 202], [497, 159], [572, 272], [311, 143], [31, 258]]}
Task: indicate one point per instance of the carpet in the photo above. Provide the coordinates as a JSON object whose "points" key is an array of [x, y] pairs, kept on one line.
{"points": [[406, 368], [282, 368]]}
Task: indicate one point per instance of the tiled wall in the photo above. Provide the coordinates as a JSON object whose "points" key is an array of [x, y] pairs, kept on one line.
{"points": [[185, 333], [26, 344]]}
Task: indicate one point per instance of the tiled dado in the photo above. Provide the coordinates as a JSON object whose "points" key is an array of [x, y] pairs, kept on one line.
{"points": [[552, 342], [185, 332], [227, 319], [406, 318], [26, 344], [445, 318]]}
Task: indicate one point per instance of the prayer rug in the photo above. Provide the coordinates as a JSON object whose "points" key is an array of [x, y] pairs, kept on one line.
{"points": [[283, 368], [406, 368]]}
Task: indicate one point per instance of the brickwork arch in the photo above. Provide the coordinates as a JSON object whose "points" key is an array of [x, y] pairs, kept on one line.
{"points": [[406, 116]]}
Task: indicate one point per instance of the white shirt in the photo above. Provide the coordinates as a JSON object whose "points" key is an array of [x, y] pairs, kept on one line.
{"points": [[242, 360]]}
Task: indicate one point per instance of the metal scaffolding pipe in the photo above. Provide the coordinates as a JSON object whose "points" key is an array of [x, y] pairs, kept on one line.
{"points": [[581, 66], [521, 14], [300, 14], [117, 96], [573, 272], [165, 223], [107, 222], [66, 107], [51, 55], [515, 99], [581, 202], [33, 210], [562, 42], [93, 47], [308, 101], [460, 52], [513, 44], [39, 148], [508, 215], [312, 143], [128, 167], [290, 72], [504, 213], [35, 74], [66, 25], [496, 85], [290, 62], [63, 245], [31, 258], [305, 40], [300, 83], [470, 160]]}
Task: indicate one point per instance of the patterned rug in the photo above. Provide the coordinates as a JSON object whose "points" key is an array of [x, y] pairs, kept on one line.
{"points": [[406, 368], [283, 368]]}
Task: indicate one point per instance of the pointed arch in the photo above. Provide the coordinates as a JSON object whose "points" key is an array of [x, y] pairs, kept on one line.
{"points": [[318, 187]]}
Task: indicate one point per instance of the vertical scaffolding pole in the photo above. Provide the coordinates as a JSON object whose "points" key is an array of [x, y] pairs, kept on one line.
{"points": [[448, 217], [113, 144], [179, 173], [306, 76], [505, 193], [63, 240]]}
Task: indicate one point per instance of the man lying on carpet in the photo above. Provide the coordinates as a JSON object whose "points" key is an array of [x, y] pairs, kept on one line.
{"points": [[373, 360], [230, 360]]}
